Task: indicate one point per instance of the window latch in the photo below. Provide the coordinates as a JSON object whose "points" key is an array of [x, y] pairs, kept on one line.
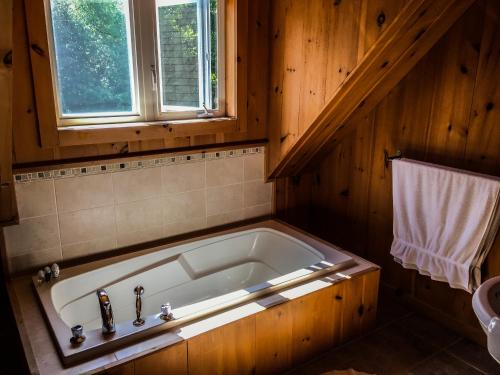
{"points": [[206, 113]]}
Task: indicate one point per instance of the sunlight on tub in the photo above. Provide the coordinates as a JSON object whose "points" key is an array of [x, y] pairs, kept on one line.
{"points": [[209, 303], [290, 276], [219, 320]]}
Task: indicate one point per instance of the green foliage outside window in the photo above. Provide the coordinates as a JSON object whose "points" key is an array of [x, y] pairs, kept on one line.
{"points": [[92, 55]]}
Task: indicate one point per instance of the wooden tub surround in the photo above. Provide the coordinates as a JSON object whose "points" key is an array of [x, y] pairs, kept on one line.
{"points": [[265, 335]]}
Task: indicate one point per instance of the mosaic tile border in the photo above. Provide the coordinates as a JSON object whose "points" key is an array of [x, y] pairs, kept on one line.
{"points": [[136, 164]]}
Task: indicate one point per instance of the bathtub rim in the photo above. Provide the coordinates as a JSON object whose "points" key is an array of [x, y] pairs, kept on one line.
{"points": [[129, 335]]}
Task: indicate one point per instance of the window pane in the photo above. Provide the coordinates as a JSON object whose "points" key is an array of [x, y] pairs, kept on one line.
{"points": [[93, 56], [187, 43], [213, 53]]}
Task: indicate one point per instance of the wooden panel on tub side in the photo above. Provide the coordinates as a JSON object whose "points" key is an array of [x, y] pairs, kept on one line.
{"points": [[313, 323], [273, 339], [126, 369], [171, 360], [227, 350]]}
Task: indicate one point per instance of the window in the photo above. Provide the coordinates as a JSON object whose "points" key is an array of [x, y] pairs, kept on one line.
{"points": [[116, 61]]}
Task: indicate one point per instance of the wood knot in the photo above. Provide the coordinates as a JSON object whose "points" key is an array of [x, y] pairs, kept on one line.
{"points": [[361, 310], [7, 59], [384, 64], [338, 298], [381, 19], [489, 106], [345, 193], [37, 49], [420, 33], [463, 69], [336, 2]]}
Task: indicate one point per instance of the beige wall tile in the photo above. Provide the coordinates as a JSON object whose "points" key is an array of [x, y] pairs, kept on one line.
{"points": [[84, 192], [221, 219], [94, 246], [32, 235], [254, 167], [183, 177], [260, 210], [224, 199], [87, 225], [35, 198], [135, 185], [224, 171], [139, 215], [140, 236], [184, 206], [192, 225], [257, 192], [34, 259]]}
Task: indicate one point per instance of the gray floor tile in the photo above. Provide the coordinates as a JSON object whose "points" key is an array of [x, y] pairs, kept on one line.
{"points": [[428, 330], [390, 350], [444, 364], [475, 355]]}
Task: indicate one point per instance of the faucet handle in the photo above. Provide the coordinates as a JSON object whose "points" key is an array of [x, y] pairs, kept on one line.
{"points": [[139, 291], [166, 312]]}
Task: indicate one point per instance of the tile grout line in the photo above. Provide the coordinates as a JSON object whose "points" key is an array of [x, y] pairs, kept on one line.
{"points": [[464, 361]]}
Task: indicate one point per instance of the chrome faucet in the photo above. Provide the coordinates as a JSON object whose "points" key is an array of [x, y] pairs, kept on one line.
{"points": [[108, 322]]}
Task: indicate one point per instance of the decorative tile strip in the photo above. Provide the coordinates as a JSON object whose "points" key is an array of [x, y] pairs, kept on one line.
{"points": [[135, 164]]}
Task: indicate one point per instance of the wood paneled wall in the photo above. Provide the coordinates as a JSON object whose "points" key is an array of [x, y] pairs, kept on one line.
{"points": [[314, 47], [253, 21], [446, 111]]}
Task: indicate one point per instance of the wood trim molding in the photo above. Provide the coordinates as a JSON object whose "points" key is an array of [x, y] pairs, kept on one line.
{"points": [[419, 25], [7, 199], [95, 134], [42, 76]]}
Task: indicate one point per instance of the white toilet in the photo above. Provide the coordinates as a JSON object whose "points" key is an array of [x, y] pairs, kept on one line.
{"points": [[486, 305]]}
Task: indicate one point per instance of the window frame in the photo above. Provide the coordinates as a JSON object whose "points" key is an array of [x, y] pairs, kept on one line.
{"points": [[145, 62]]}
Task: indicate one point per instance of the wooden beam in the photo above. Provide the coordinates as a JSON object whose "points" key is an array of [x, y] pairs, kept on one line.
{"points": [[7, 202], [419, 25]]}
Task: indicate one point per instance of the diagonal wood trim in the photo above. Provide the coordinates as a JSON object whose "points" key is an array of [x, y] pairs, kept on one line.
{"points": [[419, 25]]}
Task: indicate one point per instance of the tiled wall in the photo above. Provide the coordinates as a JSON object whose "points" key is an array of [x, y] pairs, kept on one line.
{"points": [[75, 212]]}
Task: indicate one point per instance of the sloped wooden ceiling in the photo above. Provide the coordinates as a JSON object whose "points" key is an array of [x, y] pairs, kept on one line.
{"points": [[335, 60]]}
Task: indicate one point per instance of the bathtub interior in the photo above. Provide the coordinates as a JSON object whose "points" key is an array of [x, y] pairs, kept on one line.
{"points": [[192, 276]]}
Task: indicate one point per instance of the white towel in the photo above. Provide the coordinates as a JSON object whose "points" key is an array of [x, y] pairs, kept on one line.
{"points": [[445, 221]]}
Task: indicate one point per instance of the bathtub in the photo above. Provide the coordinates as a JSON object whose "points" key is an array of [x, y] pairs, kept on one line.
{"points": [[198, 277]]}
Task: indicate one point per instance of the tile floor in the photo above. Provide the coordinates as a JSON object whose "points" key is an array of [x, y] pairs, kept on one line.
{"points": [[405, 342]]}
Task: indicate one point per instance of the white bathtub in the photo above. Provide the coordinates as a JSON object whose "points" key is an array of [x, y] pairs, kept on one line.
{"points": [[197, 278]]}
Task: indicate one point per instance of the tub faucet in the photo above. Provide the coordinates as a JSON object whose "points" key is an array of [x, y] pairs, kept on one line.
{"points": [[108, 322]]}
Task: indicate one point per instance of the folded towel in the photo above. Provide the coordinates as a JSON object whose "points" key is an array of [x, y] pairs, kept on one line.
{"points": [[445, 221]]}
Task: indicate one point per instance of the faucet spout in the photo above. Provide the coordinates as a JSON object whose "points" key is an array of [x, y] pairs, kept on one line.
{"points": [[108, 322]]}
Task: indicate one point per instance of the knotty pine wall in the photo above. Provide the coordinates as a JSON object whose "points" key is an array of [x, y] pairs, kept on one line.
{"points": [[25, 128], [314, 47], [445, 111]]}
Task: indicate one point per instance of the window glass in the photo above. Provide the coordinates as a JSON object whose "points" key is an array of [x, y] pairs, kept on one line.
{"points": [[187, 31], [92, 45]]}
